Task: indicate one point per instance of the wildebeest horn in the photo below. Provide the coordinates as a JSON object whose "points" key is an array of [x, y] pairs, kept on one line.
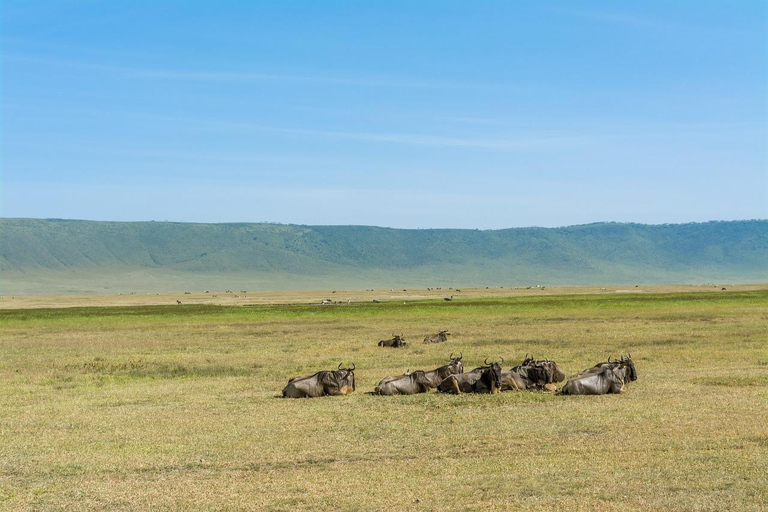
{"points": [[353, 367], [451, 358], [609, 359], [502, 360], [485, 361], [339, 368], [461, 356]]}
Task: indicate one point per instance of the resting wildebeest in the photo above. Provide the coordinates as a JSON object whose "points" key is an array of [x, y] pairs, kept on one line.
{"points": [[603, 378], [609, 380], [323, 383], [624, 361], [395, 341], [486, 379], [407, 384], [532, 374], [437, 338], [455, 366]]}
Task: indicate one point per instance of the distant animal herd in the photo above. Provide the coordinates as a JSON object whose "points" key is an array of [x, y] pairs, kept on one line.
{"points": [[606, 377]]}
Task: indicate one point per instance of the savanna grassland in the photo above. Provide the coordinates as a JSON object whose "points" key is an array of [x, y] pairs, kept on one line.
{"points": [[169, 407]]}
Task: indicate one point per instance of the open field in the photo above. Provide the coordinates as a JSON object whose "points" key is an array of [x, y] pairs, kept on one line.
{"points": [[239, 297], [154, 405]]}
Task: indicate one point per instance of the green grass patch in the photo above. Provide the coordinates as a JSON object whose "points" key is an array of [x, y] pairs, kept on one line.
{"points": [[159, 407]]}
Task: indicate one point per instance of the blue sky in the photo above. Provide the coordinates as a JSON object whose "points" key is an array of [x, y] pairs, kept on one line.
{"points": [[399, 113]]}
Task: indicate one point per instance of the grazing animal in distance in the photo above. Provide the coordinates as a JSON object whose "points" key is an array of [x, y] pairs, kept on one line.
{"points": [[396, 341], [437, 338], [322, 383]]}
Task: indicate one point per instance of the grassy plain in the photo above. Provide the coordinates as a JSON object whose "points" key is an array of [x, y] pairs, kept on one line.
{"points": [[169, 407]]}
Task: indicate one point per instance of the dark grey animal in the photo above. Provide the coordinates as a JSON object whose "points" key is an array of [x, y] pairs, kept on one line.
{"points": [[603, 378], [323, 383], [396, 341], [624, 361], [454, 366], [406, 384], [437, 338], [533, 374], [481, 380], [609, 380]]}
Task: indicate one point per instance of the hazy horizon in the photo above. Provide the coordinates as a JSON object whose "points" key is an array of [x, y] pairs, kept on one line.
{"points": [[391, 227]]}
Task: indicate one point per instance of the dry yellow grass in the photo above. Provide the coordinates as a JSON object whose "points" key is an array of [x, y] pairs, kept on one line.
{"points": [[174, 407]]}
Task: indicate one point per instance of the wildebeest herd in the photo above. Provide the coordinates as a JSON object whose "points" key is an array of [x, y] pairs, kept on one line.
{"points": [[531, 374]]}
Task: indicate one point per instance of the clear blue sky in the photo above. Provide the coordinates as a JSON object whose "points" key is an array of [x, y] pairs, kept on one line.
{"points": [[481, 114]]}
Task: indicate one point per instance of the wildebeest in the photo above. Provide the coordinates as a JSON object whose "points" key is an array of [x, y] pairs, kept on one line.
{"points": [[532, 374], [624, 361], [396, 341], [609, 380], [406, 384], [486, 379], [323, 383], [455, 366], [603, 378], [437, 338]]}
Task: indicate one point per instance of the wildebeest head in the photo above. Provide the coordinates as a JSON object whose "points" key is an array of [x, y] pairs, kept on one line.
{"points": [[454, 367], [493, 375], [343, 380], [456, 364], [627, 363], [555, 373], [538, 373]]}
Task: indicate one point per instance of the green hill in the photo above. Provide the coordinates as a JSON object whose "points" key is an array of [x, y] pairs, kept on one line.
{"points": [[62, 256]]}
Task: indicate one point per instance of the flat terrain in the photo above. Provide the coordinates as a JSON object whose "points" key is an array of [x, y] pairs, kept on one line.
{"points": [[136, 402], [239, 297]]}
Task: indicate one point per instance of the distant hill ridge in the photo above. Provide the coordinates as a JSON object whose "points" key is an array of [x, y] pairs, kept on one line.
{"points": [[585, 254]]}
